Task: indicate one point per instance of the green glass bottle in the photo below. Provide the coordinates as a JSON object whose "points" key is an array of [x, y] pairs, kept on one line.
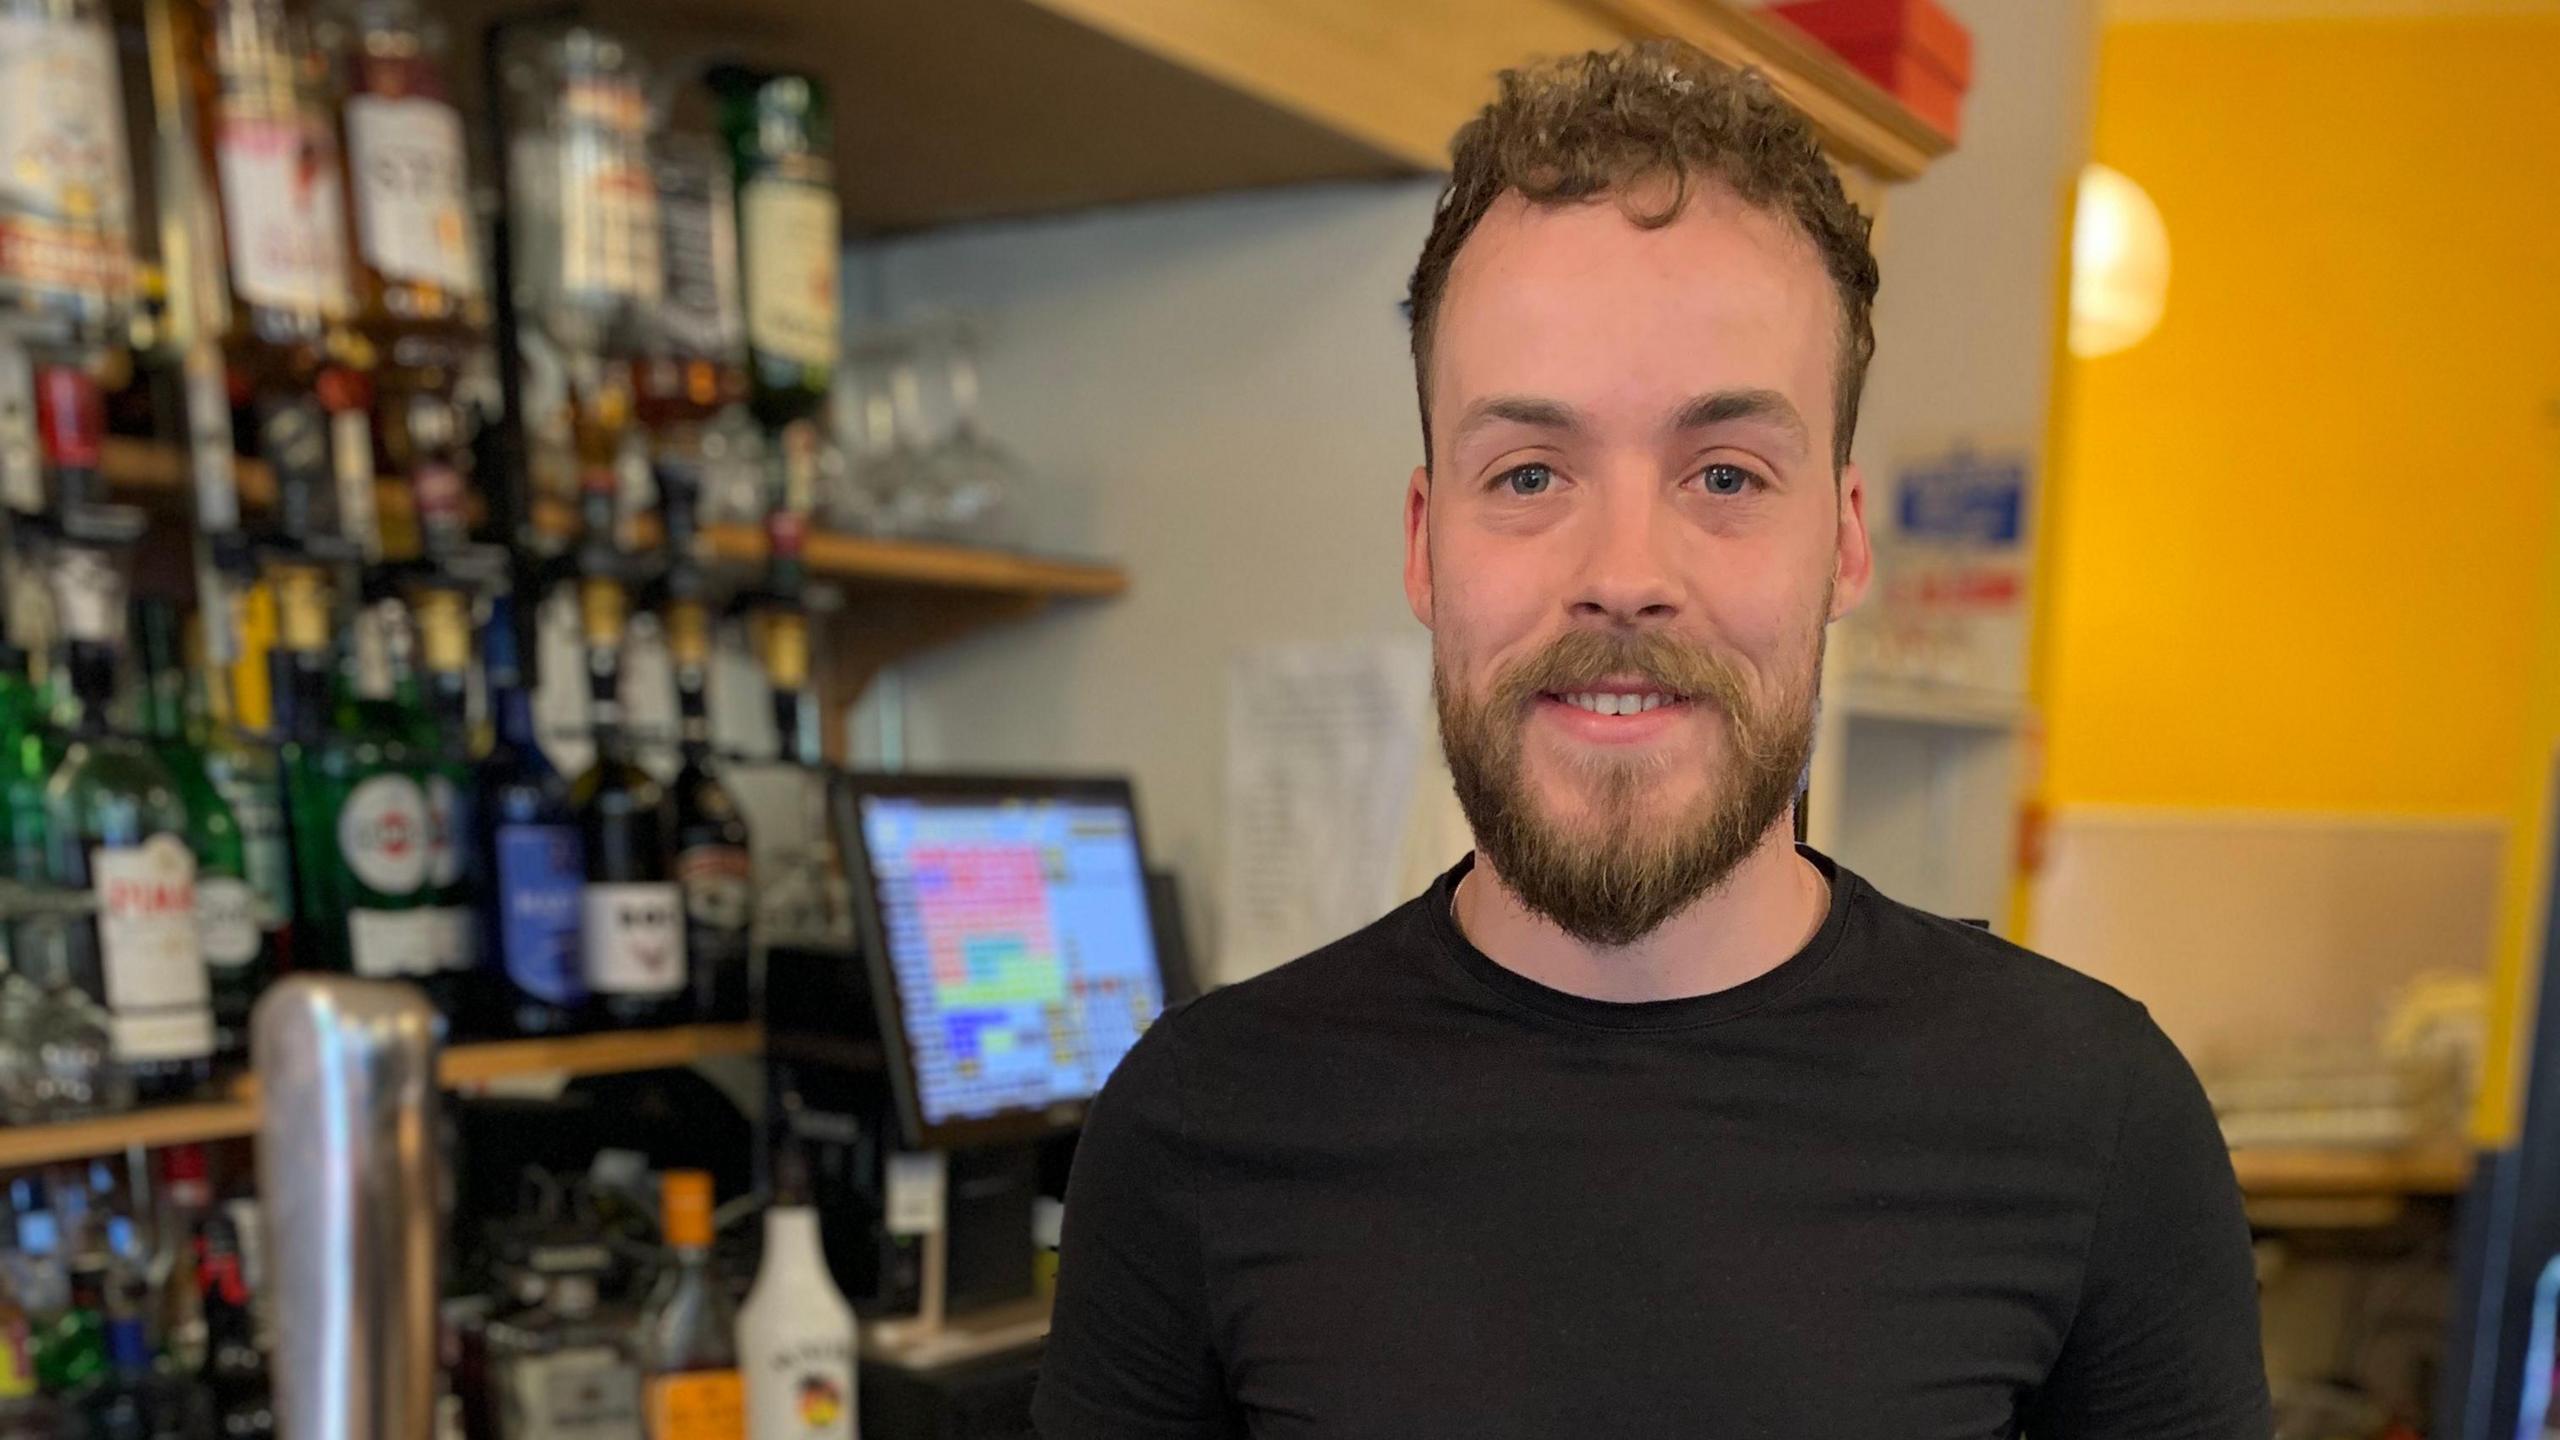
{"points": [[434, 696], [115, 827], [352, 800], [22, 888], [237, 963], [789, 240], [26, 761], [239, 748]]}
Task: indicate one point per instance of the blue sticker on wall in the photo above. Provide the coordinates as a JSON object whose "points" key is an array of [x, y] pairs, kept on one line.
{"points": [[1965, 498]]}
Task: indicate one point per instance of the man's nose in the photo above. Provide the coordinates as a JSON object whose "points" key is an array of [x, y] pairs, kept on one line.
{"points": [[1627, 575]]}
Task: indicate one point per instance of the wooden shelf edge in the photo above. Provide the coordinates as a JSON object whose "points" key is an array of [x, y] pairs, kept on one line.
{"points": [[1858, 119], [2267, 1171], [608, 1053], [462, 1066], [151, 468], [28, 1145]]}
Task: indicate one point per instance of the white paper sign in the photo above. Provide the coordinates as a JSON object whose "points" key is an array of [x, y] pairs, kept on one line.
{"points": [[1323, 746], [918, 1180]]}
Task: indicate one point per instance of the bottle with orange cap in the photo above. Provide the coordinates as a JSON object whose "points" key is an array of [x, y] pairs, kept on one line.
{"points": [[687, 1340]]}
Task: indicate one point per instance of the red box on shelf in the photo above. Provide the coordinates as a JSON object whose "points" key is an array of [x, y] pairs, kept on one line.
{"points": [[1919, 53]]}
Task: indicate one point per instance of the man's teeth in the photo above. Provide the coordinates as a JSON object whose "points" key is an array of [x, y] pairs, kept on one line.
{"points": [[1613, 704]]}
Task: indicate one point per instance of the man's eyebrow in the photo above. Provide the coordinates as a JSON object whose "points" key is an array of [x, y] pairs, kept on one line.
{"points": [[1527, 410], [1726, 406]]}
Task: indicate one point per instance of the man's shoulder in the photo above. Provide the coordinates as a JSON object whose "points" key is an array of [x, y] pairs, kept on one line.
{"points": [[1345, 976], [1929, 957]]}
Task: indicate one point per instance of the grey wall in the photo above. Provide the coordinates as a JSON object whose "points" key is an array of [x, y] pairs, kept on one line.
{"points": [[1216, 395]]}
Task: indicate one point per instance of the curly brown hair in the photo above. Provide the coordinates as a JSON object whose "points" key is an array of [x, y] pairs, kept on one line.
{"points": [[1610, 122]]}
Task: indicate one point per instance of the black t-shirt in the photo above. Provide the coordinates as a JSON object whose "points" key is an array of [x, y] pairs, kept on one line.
{"points": [[1915, 1182]]}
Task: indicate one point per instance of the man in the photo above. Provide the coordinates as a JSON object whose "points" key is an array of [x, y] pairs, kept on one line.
{"points": [[1644, 1121]]}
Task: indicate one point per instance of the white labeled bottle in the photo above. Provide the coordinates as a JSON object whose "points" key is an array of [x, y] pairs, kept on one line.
{"points": [[795, 1334]]}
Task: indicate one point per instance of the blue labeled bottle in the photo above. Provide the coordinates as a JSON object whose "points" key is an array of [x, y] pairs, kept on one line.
{"points": [[528, 839]]}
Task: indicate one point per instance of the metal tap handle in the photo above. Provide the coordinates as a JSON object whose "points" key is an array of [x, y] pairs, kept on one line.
{"points": [[348, 1167]]}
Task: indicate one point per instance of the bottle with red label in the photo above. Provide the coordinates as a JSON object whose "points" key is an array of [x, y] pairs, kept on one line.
{"points": [[66, 248], [116, 828], [271, 147]]}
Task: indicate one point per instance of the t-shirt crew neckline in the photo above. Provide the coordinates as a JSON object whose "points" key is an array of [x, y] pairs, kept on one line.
{"points": [[1683, 1013]]}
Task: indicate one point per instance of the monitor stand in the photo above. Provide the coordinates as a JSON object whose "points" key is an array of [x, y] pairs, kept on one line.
{"points": [[976, 1295]]}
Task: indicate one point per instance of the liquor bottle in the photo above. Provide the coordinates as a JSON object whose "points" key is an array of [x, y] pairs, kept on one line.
{"points": [[694, 366], [586, 231], [72, 1350], [528, 848], [687, 1337], [26, 761], [263, 119], [196, 308], [239, 748], [434, 695], [712, 863], [55, 1033], [65, 200], [233, 943], [631, 920], [115, 826], [796, 1333], [66, 280], [778, 134], [387, 827], [234, 1370], [789, 238], [356, 810], [132, 1401], [557, 1367], [588, 249], [418, 287], [36, 1271], [186, 1207], [18, 1393]]}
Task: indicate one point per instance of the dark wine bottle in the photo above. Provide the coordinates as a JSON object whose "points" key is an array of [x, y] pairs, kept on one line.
{"points": [[631, 920], [712, 865]]}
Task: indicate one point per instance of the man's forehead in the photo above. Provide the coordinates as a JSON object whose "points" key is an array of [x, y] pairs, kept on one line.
{"points": [[1579, 300]]}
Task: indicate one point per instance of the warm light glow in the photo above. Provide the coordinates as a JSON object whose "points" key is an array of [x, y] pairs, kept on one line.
{"points": [[2119, 264]]}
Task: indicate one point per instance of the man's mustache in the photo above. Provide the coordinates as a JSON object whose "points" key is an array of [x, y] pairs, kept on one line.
{"points": [[1581, 659]]}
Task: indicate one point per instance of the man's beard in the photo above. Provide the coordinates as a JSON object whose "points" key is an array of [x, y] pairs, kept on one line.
{"points": [[1618, 876]]}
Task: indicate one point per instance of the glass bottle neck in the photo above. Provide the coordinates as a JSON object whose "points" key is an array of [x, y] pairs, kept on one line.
{"points": [[604, 703], [93, 687], [511, 711], [693, 713]]}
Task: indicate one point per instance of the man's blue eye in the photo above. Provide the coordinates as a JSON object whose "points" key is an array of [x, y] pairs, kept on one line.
{"points": [[1725, 479], [1528, 479]]}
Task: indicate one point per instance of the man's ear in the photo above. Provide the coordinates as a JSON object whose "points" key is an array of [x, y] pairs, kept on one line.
{"points": [[1417, 544], [1853, 562]]}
